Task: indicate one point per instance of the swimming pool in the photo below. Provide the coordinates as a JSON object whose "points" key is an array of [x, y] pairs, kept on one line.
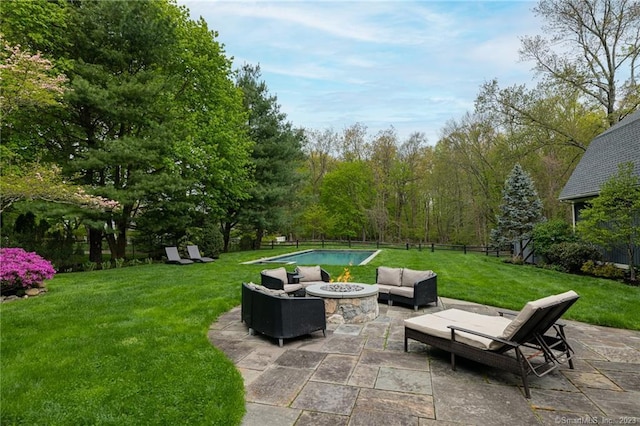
{"points": [[323, 257]]}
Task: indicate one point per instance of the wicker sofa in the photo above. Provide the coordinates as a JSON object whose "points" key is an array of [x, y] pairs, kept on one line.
{"points": [[276, 314], [407, 286]]}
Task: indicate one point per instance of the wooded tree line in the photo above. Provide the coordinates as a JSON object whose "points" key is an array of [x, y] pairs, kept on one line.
{"points": [[152, 115]]}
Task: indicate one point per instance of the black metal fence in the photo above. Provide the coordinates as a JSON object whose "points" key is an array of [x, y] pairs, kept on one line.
{"points": [[486, 250]]}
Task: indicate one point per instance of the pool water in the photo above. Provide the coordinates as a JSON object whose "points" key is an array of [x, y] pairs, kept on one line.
{"points": [[324, 257]]}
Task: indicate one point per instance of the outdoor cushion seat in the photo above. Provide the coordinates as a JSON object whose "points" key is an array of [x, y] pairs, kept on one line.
{"points": [[275, 314], [532, 342], [407, 286]]}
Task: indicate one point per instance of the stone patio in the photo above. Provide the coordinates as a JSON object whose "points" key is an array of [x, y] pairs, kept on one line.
{"points": [[360, 375]]}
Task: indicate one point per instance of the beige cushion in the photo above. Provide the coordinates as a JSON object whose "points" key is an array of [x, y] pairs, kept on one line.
{"points": [[402, 291], [410, 276], [309, 273], [436, 324], [389, 276], [384, 289], [271, 292], [290, 288], [531, 307], [280, 273]]}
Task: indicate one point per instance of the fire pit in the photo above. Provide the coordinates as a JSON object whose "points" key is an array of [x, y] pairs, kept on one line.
{"points": [[350, 303]]}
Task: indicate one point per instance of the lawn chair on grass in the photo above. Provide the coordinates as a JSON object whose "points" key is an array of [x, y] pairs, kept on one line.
{"points": [[520, 345], [194, 254], [174, 257]]}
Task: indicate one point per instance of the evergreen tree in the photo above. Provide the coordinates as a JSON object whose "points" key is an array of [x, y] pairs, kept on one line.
{"points": [[277, 157], [520, 210], [613, 218]]}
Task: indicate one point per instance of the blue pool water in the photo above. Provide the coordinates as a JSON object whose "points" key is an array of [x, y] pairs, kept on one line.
{"points": [[324, 257]]}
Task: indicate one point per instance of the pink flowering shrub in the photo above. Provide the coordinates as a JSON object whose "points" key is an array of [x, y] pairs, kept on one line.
{"points": [[22, 270]]}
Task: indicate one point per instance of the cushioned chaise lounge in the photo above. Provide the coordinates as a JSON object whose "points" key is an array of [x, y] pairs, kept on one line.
{"points": [[531, 342]]}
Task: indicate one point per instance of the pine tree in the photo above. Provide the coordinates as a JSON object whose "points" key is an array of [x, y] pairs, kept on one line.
{"points": [[520, 210]]}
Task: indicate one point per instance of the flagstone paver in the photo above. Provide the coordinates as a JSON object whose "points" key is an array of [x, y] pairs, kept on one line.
{"points": [[359, 374]]}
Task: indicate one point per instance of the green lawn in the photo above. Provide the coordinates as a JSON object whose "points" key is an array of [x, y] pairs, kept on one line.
{"points": [[129, 346]]}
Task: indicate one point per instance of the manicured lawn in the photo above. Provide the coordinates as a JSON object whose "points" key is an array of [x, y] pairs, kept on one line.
{"points": [[129, 346]]}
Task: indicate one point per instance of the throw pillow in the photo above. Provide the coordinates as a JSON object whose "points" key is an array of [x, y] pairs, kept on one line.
{"points": [[389, 276]]}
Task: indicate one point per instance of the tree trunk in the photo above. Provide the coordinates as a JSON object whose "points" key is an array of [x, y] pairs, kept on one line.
{"points": [[225, 227], [259, 235], [632, 270], [95, 245]]}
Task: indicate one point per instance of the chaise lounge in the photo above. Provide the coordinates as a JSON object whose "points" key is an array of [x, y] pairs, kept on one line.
{"points": [[496, 341], [174, 257], [194, 254]]}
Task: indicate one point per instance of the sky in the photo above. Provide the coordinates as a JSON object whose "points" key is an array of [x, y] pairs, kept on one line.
{"points": [[410, 65]]}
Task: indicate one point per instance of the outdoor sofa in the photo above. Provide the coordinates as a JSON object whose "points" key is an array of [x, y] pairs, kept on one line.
{"points": [[275, 314], [407, 286], [294, 282], [531, 342]]}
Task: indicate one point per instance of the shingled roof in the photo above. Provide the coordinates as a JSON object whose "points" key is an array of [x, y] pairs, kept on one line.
{"points": [[618, 144]]}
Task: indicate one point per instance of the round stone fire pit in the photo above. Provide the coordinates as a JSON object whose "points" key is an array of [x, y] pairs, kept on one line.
{"points": [[350, 303]]}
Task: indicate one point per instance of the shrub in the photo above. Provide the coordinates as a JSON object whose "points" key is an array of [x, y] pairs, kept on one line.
{"points": [[549, 233], [571, 256], [604, 270], [20, 270]]}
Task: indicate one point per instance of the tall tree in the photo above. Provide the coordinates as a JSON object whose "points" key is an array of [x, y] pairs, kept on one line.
{"points": [[151, 91], [346, 194], [277, 156], [520, 210], [597, 45], [613, 218]]}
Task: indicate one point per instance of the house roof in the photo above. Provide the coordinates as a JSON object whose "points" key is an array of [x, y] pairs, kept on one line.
{"points": [[618, 144]]}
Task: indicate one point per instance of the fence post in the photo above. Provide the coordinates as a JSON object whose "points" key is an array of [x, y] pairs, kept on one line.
{"points": [[498, 252], [378, 244], [323, 243], [419, 246], [407, 246], [464, 248], [297, 243], [272, 244], [432, 247]]}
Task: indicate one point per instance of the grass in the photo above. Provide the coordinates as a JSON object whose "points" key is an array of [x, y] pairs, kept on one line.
{"points": [[129, 346]]}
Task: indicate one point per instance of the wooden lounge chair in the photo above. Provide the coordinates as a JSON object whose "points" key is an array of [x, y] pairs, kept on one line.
{"points": [[174, 257], [532, 342], [194, 254]]}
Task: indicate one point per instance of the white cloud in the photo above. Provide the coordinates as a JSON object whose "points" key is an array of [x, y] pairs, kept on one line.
{"points": [[400, 63]]}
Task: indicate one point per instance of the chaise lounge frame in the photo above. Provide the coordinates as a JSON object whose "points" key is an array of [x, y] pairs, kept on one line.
{"points": [[534, 334]]}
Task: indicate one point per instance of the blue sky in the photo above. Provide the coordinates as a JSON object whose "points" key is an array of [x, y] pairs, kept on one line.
{"points": [[412, 65]]}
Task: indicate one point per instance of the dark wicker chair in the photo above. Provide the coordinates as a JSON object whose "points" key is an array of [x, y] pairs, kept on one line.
{"points": [[422, 292], [281, 316], [534, 334]]}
